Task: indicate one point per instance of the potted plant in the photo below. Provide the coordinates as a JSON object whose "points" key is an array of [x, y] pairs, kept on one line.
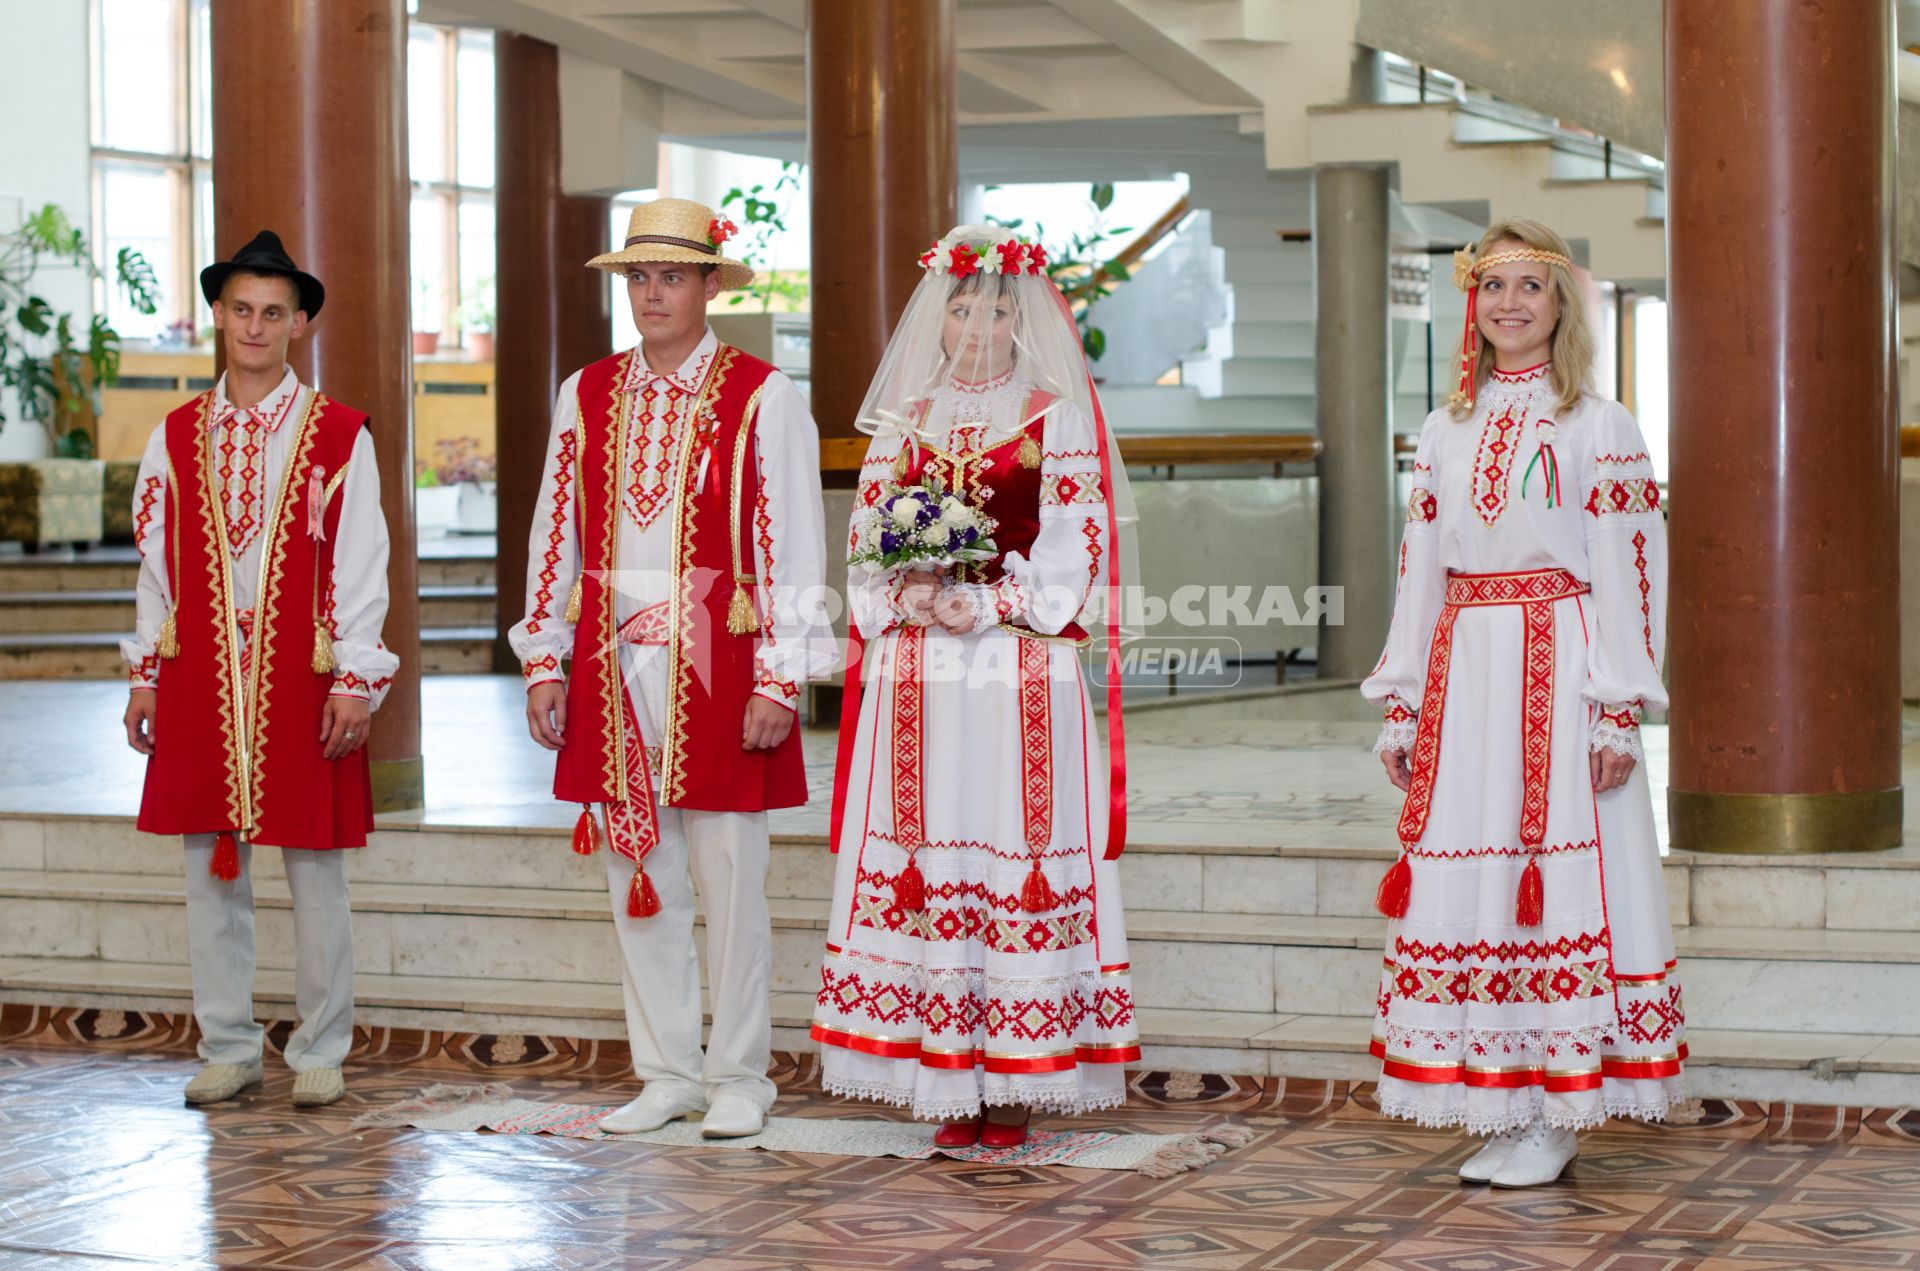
{"points": [[476, 320], [56, 372], [426, 342], [462, 466]]}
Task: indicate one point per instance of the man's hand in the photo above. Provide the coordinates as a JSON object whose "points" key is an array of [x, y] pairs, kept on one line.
{"points": [[1399, 771], [344, 725], [547, 713], [1610, 769], [767, 724], [919, 588], [141, 707], [954, 612]]}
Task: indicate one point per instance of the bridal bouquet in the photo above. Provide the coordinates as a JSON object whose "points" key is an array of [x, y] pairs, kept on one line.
{"points": [[921, 525]]}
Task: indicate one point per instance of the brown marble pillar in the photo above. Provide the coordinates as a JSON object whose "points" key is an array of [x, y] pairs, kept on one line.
{"points": [[552, 315], [1785, 623], [310, 140], [883, 150]]}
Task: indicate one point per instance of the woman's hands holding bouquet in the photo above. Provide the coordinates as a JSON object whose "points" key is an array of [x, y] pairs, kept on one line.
{"points": [[932, 603]]}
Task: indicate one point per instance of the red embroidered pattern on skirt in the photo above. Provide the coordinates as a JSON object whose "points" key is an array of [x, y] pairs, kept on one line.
{"points": [[999, 935], [1502, 985], [1036, 743], [1648, 1021], [1547, 849], [1425, 760], [880, 1000], [1585, 944], [909, 813], [978, 893], [1495, 460], [1536, 723]]}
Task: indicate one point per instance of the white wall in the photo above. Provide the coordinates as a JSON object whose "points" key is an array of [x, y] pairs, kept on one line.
{"points": [[44, 139]]}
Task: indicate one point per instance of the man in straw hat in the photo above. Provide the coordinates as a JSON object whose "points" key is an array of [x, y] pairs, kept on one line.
{"points": [[262, 590], [677, 557]]}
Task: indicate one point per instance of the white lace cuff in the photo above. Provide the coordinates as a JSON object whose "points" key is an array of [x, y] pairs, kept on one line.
{"points": [[1396, 735], [1616, 728]]}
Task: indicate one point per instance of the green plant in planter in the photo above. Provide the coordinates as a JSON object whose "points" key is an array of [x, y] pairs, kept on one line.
{"points": [[762, 212], [55, 371], [477, 310]]}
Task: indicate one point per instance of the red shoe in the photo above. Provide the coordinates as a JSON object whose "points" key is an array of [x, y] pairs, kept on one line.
{"points": [[958, 1134], [996, 1134]]}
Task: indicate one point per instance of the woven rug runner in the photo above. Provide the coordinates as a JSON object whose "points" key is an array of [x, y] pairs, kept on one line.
{"points": [[470, 1109]]}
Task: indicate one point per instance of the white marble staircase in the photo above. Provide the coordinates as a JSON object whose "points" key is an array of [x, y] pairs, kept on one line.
{"points": [[1800, 975]]}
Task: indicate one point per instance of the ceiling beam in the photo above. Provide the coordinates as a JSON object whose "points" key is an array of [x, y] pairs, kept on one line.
{"points": [[1128, 27]]}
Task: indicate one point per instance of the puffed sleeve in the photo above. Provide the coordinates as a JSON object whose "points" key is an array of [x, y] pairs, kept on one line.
{"points": [[796, 641], [1399, 678], [544, 637], [153, 590], [357, 591], [1627, 554]]}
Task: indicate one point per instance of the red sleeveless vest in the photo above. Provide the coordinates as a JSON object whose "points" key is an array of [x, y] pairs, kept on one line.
{"points": [[710, 670], [239, 747]]}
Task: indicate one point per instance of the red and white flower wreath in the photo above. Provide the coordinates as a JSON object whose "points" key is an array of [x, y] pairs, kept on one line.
{"points": [[1005, 254]]}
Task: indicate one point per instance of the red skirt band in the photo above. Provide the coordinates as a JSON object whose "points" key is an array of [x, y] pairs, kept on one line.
{"points": [[1521, 1078], [977, 1057]]}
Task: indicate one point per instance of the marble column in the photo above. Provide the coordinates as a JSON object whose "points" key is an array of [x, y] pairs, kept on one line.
{"points": [[310, 140], [553, 315], [883, 148], [1353, 406], [1785, 618]]}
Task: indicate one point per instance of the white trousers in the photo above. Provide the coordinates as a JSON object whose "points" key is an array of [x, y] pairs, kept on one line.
{"points": [[726, 853], [220, 937]]}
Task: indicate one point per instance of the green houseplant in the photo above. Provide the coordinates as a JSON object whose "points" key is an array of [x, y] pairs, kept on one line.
{"points": [[56, 370], [1076, 269]]}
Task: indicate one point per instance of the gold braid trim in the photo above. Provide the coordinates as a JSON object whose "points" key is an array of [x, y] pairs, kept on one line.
{"points": [[228, 690], [741, 618], [1467, 270], [167, 643]]}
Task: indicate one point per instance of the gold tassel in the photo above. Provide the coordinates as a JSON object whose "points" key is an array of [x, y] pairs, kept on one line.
{"points": [[323, 660], [900, 465], [740, 616], [574, 598], [1029, 452], [168, 645]]}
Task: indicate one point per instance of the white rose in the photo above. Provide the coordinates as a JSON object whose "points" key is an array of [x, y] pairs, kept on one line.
{"points": [[906, 512], [955, 512]]}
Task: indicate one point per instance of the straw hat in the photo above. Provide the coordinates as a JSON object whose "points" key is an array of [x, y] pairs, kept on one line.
{"points": [[677, 230]]}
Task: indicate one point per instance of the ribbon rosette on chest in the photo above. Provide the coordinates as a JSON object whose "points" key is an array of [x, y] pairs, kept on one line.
{"points": [[922, 525], [1543, 455]]}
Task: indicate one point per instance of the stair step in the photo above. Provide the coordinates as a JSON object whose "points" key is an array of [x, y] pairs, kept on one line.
{"points": [[110, 610], [95, 655], [1851, 1069]]}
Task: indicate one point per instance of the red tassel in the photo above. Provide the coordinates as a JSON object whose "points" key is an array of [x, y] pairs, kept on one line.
{"points": [[642, 900], [586, 832], [1037, 896], [226, 857], [1533, 896], [1396, 889], [910, 888]]}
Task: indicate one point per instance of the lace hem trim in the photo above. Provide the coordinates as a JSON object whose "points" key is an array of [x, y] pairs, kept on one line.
{"points": [[1426, 1115], [1505, 1042], [919, 976], [1067, 1101]]}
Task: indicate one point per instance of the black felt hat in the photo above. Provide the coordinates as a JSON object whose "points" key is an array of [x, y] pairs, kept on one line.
{"points": [[264, 255]]}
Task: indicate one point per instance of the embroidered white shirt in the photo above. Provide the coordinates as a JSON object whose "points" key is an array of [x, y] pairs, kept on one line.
{"points": [[251, 447]]}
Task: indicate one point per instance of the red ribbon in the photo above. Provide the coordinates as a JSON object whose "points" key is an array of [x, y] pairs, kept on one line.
{"points": [[849, 725], [1469, 341]]}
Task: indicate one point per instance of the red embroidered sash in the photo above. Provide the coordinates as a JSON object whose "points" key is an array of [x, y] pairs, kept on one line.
{"points": [[1536, 591]]}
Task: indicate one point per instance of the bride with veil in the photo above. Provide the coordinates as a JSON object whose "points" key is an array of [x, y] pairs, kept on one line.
{"points": [[976, 960]]}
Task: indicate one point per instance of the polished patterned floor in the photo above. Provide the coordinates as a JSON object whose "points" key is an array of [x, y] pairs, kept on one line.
{"points": [[102, 1166]]}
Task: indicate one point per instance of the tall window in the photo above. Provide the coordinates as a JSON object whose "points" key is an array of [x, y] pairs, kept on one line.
{"points": [[153, 150], [450, 138]]}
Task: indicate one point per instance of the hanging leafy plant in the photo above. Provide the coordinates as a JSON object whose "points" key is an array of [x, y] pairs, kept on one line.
{"points": [[55, 371], [1076, 267], [762, 213]]}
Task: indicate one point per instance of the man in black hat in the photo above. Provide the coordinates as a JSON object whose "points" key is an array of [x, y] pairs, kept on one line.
{"points": [[262, 590]]}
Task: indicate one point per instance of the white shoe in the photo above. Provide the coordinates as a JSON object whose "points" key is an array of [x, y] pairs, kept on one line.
{"points": [[317, 1087], [1481, 1166], [733, 1116], [656, 1106], [216, 1083], [1538, 1158]]}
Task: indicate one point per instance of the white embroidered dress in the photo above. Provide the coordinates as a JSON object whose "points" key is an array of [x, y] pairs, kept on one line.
{"points": [[974, 999], [1499, 687]]}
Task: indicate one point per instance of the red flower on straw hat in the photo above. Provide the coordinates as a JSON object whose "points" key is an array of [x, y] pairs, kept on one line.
{"points": [[964, 260], [719, 231]]}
